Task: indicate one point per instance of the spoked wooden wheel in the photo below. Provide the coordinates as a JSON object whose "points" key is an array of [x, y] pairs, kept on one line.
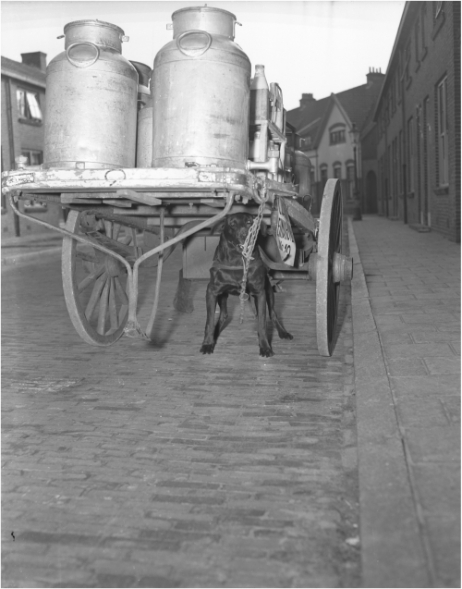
{"points": [[95, 283], [328, 261]]}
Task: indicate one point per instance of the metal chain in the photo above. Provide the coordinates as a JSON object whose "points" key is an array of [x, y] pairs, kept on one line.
{"points": [[247, 251]]}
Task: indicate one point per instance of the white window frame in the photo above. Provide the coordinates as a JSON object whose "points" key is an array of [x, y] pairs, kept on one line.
{"points": [[28, 105], [410, 155], [442, 132]]}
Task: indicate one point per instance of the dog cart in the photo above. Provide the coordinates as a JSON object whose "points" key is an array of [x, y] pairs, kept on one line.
{"points": [[207, 154]]}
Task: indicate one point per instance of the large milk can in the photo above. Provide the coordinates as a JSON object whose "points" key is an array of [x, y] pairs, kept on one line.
{"points": [[144, 130], [144, 137], [91, 100], [201, 90]]}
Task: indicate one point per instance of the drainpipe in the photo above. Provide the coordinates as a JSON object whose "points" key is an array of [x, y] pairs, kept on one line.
{"points": [[405, 151], [9, 116], [387, 181]]}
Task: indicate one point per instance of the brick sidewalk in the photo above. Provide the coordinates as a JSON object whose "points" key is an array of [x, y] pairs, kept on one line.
{"points": [[406, 322]]}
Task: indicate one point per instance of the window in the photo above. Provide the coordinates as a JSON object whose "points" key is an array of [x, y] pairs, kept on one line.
{"points": [[424, 10], [337, 136], [337, 170], [410, 155], [437, 7], [442, 134], [393, 95], [400, 163], [417, 38], [28, 105], [407, 62], [34, 157], [395, 166]]}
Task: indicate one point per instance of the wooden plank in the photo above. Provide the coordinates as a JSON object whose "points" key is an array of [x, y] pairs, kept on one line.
{"points": [[300, 216]]}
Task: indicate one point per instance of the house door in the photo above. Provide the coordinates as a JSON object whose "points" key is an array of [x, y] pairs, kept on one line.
{"points": [[371, 193]]}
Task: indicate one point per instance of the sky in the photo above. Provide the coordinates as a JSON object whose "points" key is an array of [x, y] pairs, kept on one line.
{"points": [[316, 46]]}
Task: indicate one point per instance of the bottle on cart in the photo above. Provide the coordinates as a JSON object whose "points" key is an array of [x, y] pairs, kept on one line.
{"points": [[259, 96], [259, 114]]}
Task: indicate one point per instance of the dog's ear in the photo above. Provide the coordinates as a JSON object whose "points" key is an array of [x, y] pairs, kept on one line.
{"points": [[218, 227]]}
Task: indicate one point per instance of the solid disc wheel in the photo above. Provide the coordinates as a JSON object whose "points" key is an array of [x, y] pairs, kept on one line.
{"points": [[95, 283], [327, 289]]}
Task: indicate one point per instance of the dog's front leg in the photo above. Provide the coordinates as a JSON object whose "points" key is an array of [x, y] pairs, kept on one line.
{"points": [[282, 331], [209, 339], [265, 348], [223, 304]]}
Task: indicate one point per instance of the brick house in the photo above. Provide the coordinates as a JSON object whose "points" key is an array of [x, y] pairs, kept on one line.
{"points": [[339, 136], [418, 121], [23, 111]]}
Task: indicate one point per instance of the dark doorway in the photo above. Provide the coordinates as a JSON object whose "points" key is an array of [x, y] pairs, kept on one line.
{"points": [[371, 193]]}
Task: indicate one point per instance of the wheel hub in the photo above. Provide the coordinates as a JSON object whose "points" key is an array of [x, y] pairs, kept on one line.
{"points": [[112, 266]]}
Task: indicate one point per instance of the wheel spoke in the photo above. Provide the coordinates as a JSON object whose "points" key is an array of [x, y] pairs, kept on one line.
{"points": [[84, 256], [108, 228], [133, 232], [112, 306], [115, 230], [90, 278], [103, 303], [120, 291], [97, 288]]}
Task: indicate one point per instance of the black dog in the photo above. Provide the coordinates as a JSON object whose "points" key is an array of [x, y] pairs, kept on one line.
{"points": [[225, 278]]}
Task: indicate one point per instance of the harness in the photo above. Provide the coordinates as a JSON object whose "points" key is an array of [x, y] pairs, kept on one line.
{"points": [[247, 250]]}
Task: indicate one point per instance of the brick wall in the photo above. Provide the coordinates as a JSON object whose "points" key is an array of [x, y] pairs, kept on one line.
{"points": [[434, 43]]}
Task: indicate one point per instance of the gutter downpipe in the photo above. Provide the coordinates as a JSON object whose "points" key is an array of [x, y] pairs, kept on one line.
{"points": [[12, 155], [387, 175], [405, 152]]}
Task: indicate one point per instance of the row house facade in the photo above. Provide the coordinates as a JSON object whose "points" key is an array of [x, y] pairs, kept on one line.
{"points": [[418, 121], [332, 129], [23, 112]]}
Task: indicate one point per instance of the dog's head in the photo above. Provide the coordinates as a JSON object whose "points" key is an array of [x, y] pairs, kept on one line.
{"points": [[235, 228]]}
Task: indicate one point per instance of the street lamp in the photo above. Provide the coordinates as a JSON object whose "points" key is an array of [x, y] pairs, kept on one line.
{"points": [[354, 136]]}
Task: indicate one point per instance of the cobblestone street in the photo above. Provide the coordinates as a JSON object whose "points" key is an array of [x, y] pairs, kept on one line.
{"points": [[151, 465]]}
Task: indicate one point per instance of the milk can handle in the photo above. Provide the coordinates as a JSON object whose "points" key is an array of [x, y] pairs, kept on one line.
{"points": [[87, 62], [194, 52]]}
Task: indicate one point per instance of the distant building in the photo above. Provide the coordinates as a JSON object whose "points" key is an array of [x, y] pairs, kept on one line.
{"points": [[333, 130], [418, 119], [23, 106]]}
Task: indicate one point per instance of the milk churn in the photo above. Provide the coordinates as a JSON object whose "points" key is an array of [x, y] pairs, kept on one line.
{"points": [[144, 130], [144, 138], [201, 91], [144, 79], [91, 100]]}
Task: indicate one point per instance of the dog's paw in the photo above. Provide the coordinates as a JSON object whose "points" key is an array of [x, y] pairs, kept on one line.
{"points": [[266, 351], [207, 348], [286, 335]]}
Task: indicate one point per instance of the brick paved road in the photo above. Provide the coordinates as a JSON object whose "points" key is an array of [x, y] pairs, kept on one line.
{"points": [[154, 466]]}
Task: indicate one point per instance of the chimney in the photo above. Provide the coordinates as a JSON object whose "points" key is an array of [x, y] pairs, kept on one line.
{"points": [[307, 99], [36, 59], [374, 75]]}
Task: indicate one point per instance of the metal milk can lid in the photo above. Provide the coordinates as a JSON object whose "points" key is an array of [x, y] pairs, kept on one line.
{"points": [[215, 21], [94, 31]]}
